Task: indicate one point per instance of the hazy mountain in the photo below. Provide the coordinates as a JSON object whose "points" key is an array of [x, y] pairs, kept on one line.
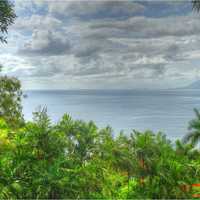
{"points": [[194, 85]]}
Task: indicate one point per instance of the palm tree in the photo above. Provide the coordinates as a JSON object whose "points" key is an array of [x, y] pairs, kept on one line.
{"points": [[188, 150], [196, 5], [194, 135]]}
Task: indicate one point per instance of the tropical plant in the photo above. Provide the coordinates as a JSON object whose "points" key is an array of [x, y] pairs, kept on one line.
{"points": [[160, 171], [196, 5], [10, 101], [7, 17], [194, 126], [74, 159]]}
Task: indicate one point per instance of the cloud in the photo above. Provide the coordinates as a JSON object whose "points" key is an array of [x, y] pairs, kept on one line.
{"points": [[37, 21], [44, 42], [97, 9], [144, 27]]}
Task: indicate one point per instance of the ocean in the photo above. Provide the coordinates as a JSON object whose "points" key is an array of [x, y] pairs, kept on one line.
{"points": [[168, 111]]}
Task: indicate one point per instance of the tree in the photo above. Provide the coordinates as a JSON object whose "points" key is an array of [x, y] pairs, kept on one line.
{"points": [[160, 171], [186, 150], [7, 17], [10, 101], [10, 88], [194, 135], [196, 5]]}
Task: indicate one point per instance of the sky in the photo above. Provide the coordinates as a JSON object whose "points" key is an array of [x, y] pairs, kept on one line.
{"points": [[60, 44]]}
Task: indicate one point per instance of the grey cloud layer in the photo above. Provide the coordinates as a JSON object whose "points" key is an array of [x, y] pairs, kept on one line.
{"points": [[143, 27], [88, 8], [66, 41]]}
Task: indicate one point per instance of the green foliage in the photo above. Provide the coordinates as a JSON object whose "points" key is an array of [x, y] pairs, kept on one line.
{"points": [[196, 5], [7, 17], [74, 159], [10, 101], [193, 136]]}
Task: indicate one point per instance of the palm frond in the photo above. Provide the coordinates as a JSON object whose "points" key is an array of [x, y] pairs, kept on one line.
{"points": [[192, 137], [196, 5]]}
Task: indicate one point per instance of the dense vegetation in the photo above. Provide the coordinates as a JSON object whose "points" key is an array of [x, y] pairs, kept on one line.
{"points": [[75, 159]]}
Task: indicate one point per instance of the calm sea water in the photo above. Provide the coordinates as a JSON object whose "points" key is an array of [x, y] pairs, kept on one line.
{"points": [[168, 111]]}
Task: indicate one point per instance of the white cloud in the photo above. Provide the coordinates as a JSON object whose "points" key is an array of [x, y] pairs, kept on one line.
{"points": [[45, 42], [37, 21]]}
